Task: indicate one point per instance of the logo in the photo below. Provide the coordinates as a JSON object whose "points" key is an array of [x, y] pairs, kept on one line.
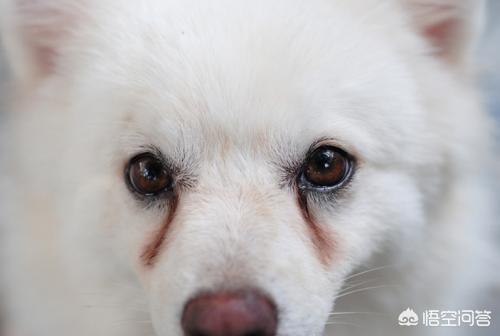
{"points": [[408, 318], [446, 318]]}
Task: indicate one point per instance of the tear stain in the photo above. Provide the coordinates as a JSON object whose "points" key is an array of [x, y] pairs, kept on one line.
{"points": [[322, 240], [152, 250]]}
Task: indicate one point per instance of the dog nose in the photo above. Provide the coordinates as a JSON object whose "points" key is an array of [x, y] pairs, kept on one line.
{"points": [[243, 313]]}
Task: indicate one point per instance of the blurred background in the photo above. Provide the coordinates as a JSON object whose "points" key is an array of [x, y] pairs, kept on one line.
{"points": [[489, 55]]}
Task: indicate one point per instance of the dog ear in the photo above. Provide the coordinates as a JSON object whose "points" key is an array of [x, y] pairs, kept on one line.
{"points": [[451, 26], [34, 34]]}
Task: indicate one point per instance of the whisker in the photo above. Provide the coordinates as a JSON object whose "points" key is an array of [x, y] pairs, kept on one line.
{"points": [[363, 290], [357, 284], [330, 323], [369, 271], [352, 313]]}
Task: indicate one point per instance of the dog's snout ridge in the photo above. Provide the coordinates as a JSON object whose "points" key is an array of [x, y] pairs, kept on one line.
{"points": [[241, 313]]}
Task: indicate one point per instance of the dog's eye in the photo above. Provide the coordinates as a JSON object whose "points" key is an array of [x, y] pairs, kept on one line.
{"points": [[148, 176], [326, 167]]}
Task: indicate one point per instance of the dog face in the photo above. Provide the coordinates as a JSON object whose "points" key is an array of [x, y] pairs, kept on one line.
{"points": [[234, 159]]}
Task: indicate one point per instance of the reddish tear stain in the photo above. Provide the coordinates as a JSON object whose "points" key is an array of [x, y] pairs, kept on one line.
{"points": [[322, 240], [153, 249]]}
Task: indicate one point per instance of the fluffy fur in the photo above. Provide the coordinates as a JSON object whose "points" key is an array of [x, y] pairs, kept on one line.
{"points": [[235, 92]]}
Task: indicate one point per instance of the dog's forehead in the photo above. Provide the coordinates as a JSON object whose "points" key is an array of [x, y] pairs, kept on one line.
{"points": [[233, 75]]}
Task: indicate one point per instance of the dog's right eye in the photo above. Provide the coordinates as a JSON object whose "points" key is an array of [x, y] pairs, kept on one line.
{"points": [[147, 175]]}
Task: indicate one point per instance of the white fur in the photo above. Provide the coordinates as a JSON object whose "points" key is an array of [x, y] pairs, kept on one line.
{"points": [[232, 90]]}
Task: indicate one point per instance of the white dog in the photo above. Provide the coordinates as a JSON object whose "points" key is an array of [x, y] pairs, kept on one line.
{"points": [[230, 167]]}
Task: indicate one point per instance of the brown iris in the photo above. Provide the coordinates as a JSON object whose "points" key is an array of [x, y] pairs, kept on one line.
{"points": [[327, 167], [147, 175]]}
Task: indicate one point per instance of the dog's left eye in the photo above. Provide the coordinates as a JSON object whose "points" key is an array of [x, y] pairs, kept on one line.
{"points": [[326, 168], [148, 176]]}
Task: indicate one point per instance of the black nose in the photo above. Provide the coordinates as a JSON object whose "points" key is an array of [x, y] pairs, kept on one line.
{"points": [[243, 313]]}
